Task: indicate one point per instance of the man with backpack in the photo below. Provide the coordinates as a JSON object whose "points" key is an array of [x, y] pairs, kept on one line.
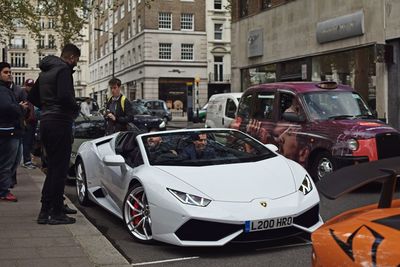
{"points": [[119, 110]]}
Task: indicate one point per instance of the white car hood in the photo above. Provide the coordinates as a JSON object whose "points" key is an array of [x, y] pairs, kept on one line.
{"points": [[271, 178]]}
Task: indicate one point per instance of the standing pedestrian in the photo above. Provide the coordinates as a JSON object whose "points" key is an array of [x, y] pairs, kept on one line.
{"points": [[30, 129], [21, 96], [54, 94], [11, 113], [118, 109]]}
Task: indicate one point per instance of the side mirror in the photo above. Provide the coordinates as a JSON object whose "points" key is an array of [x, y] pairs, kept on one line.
{"points": [[115, 160], [293, 117], [272, 147]]}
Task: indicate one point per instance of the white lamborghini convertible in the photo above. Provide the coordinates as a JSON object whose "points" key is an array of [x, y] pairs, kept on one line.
{"points": [[197, 187]]}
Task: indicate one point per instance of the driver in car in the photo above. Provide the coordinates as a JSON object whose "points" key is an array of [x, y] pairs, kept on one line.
{"points": [[199, 148]]}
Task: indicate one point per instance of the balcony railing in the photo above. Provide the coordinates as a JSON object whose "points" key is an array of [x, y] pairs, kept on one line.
{"points": [[17, 46], [46, 46], [215, 77], [18, 65]]}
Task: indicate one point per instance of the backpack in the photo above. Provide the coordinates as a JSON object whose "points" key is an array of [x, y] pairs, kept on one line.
{"points": [[123, 98]]}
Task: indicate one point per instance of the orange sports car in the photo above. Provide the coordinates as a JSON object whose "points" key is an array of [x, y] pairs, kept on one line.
{"points": [[366, 236]]}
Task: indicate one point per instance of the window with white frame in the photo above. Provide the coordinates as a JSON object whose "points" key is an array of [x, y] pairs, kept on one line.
{"points": [[164, 51], [42, 23], [51, 23], [187, 21], [18, 42], [218, 31], [19, 78], [217, 4], [122, 10], [115, 16], [18, 60], [52, 41], [218, 68], [41, 41], [165, 20], [187, 51], [122, 37]]}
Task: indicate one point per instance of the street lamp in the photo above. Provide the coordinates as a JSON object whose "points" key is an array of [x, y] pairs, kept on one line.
{"points": [[113, 47]]}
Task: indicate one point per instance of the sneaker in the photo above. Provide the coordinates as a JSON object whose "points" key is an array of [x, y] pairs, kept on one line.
{"points": [[43, 217], [29, 165], [68, 210], [9, 197], [61, 219]]}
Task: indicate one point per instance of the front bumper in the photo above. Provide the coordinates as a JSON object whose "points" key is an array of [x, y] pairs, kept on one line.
{"points": [[223, 222]]}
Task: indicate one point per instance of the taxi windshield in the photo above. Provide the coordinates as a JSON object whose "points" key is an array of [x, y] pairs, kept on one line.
{"points": [[336, 105], [201, 148]]}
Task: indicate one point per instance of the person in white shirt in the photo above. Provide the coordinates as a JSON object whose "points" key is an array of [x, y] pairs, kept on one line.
{"points": [[86, 107]]}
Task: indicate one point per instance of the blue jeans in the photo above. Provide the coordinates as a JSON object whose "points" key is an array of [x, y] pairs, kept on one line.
{"points": [[28, 140], [8, 155]]}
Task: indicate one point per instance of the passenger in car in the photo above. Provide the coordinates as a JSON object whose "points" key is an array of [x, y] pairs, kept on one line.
{"points": [[199, 148]]}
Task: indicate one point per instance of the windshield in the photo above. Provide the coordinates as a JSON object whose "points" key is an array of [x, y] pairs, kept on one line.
{"points": [[139, 109], [336, 105], [201, 148]]}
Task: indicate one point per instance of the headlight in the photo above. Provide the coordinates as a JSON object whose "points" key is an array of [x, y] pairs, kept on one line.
{"points": [[352, 144], [189, 199], [306, 185], [162, 125]]}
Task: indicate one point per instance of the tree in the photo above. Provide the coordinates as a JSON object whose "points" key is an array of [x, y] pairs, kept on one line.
{"points": [[69, 16]]}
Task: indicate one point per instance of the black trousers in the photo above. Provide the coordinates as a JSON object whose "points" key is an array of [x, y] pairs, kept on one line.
{"points": [[56, 137]]}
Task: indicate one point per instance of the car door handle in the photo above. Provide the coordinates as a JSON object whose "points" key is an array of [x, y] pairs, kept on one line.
{"points": [[223, 121]]}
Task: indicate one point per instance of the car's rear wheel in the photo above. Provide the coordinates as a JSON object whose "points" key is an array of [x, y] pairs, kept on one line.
{"points": [[322, 165], [136, 214], [81, 184]]}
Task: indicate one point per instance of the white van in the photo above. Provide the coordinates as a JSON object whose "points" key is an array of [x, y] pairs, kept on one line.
{"points": [[221, 110]]}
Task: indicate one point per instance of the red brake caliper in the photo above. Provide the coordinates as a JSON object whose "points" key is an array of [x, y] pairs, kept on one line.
{"points": [[137, 206]]}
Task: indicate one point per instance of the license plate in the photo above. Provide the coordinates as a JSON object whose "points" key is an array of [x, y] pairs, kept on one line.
{"points": [[267, 224]]}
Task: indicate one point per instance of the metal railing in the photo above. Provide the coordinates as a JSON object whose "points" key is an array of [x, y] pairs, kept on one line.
{"points": [[215, 77]]}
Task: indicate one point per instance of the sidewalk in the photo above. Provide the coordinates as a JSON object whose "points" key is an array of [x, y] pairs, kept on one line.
{"points": [[26, 243]]}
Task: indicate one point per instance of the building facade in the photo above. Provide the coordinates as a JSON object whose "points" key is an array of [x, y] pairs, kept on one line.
{"points": [[351, 42], [157, 52], [24, 51], [218, 27]]}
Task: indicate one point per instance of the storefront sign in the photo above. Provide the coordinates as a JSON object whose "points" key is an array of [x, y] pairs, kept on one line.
{"points": [[341, 27], [255, 46]]}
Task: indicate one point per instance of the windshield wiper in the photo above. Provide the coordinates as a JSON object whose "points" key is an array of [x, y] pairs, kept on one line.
{"points": [[340, 117], [365, 116]]}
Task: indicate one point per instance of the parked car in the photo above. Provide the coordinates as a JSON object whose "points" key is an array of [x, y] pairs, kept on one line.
{"points": [[157, 108], [365, 236], [221, 110], [321, 125], [245, 193], [144, 120]]}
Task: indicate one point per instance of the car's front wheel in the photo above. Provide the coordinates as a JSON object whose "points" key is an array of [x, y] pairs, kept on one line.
{"points": [[137, 214], [81, 184]]}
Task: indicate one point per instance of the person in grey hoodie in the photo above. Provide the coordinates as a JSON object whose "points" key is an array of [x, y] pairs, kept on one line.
{"points": [[11, 113], [53, 92]]}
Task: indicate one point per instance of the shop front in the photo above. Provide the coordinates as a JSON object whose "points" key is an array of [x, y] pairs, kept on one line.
{"points": [[356, 68]]}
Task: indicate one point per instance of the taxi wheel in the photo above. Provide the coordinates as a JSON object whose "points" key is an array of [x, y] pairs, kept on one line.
{"points": [[136, 214], [322, 165]]}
